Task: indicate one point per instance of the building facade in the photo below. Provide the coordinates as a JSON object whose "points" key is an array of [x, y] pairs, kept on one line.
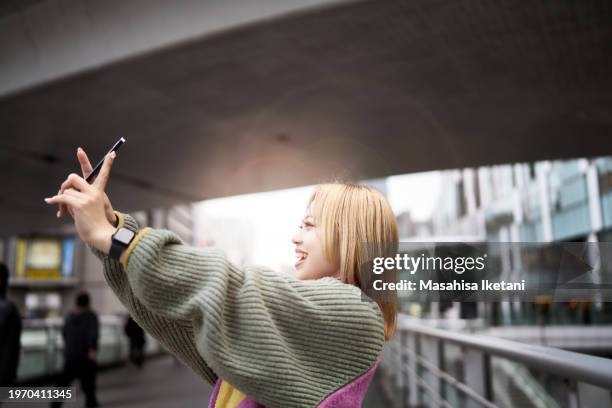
{"points": [[542, 202]]}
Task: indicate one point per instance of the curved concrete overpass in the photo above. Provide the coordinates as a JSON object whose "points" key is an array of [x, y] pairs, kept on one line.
{"points": [[243, 100]]}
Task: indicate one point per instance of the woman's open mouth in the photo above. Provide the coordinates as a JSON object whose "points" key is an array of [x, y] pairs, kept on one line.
{"points": [[301, 257]]}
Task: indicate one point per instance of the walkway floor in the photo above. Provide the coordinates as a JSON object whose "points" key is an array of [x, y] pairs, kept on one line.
{"points": [[164, 383]]}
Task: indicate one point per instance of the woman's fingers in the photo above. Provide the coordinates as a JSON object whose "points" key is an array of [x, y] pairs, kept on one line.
{"points": [[70, 197], [76, 194], [86, 168], [102, 179], [72, 182], [89, 215], [76, 182], [62, 207], [66, 199]]}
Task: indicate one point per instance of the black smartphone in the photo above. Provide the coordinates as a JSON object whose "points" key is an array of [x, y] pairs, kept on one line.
{"points": [[98, 167]]}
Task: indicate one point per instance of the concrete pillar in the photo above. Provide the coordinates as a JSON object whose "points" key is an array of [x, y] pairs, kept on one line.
{"points": [[542, 177], [592, 180], [470, 190]]}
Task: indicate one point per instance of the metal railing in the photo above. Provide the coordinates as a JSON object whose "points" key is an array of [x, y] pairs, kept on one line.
{"points": [[42, 346], [431, 367]]}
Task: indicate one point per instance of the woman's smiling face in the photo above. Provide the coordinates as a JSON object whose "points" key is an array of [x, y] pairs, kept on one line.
{"points": [[309, 250]]}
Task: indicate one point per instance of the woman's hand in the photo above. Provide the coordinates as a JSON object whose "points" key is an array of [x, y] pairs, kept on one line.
{"points": [[86, 170], [87, 205]]}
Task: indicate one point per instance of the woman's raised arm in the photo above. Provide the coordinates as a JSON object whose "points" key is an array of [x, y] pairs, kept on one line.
{"points": [[280, 340], [285, 342], [175, 335], [93, 213]]}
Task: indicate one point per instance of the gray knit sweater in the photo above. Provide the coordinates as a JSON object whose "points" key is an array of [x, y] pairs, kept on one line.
{"points": [[283, 341]]}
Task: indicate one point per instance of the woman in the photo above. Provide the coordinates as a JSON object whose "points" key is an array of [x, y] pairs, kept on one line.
{"points": [[263, 339]]}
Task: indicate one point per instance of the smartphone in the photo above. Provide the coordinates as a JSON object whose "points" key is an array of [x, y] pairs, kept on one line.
{"points": [[98, 167]]}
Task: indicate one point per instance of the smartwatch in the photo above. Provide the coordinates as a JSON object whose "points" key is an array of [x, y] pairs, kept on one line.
{"points": [[120, 241]]}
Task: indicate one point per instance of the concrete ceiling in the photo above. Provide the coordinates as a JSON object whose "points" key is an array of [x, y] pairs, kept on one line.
{"points": [[359, 90]]}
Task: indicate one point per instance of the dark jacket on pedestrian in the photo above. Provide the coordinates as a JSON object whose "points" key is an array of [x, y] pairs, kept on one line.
{"points": [[80, 333], [134, 332], [10, 344], [10, 333]]}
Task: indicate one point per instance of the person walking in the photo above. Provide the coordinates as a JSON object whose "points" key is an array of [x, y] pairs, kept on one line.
{"points": [[136, 336], [80, 333], [10, 333]]}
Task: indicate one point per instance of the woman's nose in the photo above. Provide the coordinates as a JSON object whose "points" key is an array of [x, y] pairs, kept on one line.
{"points": [[297, 239]]}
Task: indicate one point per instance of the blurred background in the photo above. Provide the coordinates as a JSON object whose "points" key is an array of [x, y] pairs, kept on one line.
{"points": [[479, 121]]}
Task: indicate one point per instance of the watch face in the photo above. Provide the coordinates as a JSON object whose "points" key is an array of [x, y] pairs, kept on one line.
{"points": [[124, 235]]}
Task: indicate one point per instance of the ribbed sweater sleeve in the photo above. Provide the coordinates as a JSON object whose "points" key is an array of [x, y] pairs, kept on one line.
{"points": [[175, 335], [282, 341]]}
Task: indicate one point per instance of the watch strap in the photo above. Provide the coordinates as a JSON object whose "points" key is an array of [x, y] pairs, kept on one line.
{"points": [[117, 247]]}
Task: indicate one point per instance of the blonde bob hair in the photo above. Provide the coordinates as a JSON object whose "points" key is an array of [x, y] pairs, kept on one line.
{"points": [[353, 216]]}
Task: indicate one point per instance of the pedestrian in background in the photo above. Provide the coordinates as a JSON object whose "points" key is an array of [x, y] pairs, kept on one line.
{"points": [[136, 335], [80, 332], [10, 333]]}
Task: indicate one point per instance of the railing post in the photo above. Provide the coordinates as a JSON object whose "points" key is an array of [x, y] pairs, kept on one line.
{"points": [[51, 357], [49, 352], [572, 394], [476, 375], [413, 384], [399, 352], [442, 367], [430, 352], [403, 365]]}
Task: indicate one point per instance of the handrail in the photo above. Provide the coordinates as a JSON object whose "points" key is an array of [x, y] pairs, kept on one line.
{"points": [[581, 367], [469, 392]]}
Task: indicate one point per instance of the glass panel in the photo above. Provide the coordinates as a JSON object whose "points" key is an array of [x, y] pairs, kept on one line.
{"points": [[515, 385]]}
